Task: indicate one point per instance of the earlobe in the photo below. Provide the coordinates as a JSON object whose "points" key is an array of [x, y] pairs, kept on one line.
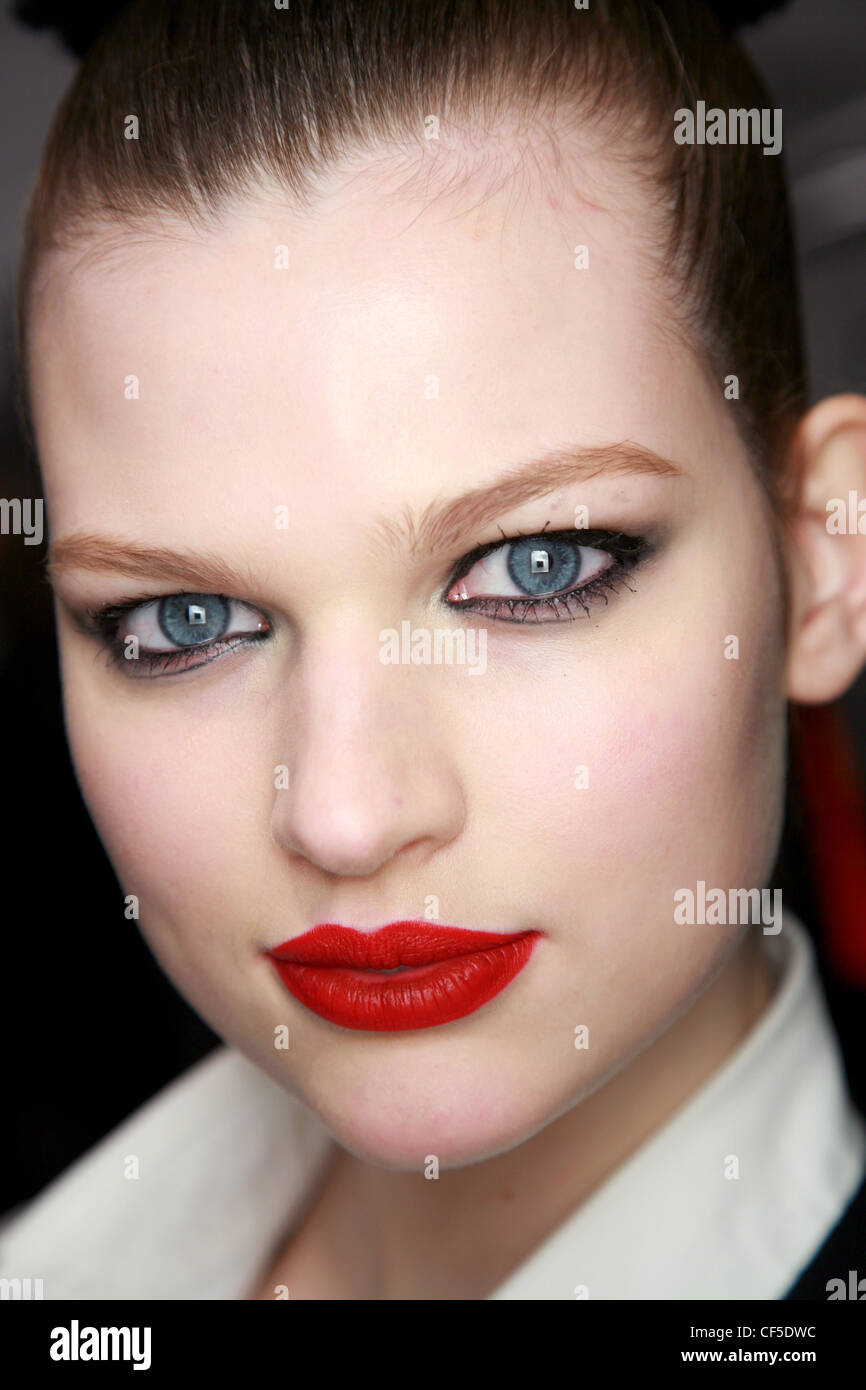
{"points": [[827, 540]]}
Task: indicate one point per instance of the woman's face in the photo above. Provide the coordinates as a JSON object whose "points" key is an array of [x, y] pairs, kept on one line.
{"points": [[289, 398]]}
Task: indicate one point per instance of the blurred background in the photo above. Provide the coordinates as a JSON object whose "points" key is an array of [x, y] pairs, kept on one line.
{"points": [[93, 1028]]}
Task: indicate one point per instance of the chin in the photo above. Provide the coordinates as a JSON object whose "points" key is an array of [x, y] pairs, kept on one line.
{"points": [[400, 1119]]}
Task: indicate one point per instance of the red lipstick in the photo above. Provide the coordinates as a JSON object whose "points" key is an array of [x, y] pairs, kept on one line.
{"points": [[404, 975]]}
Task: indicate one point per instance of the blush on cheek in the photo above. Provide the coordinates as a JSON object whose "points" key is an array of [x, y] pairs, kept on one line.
{"points": [[175, 836], [183, 848], [694, 784], [627, 798]]}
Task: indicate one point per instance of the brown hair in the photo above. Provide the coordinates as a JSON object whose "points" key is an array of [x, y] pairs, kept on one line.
{"points": [[233, 90]]}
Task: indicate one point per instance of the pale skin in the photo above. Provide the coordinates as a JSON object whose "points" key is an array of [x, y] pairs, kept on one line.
{"points": [[308, 387]]}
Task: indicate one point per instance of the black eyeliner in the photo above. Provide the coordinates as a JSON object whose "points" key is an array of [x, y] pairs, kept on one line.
{"points": [[627, 548], [105, 620]]}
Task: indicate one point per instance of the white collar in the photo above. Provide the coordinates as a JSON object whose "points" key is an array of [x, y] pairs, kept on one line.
{"points": [[226, 1156]]}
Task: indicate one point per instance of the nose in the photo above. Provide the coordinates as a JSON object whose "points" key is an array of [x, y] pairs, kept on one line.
{"points": [[369, 773]]}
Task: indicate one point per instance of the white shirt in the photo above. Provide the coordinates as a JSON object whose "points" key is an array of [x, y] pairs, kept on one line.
{"points": [[225, 1157]]}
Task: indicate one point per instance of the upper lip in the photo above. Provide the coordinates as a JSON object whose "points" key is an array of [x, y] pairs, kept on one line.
{"points": [[398, 943]]}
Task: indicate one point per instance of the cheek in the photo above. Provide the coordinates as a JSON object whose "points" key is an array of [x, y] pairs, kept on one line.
{"points": [[635, 783], [645, 774], [182, 804], [181, 801]]}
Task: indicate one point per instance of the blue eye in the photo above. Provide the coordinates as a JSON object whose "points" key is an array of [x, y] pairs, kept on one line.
{"points": [[546, 577], [190, 619], [543, 568], [177, 632]]}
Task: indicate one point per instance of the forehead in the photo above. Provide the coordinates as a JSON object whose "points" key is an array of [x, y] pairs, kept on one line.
{"points": [[415, 321]]}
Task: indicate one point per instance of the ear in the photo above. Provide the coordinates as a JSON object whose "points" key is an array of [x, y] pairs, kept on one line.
{"points": [[827, 552]]}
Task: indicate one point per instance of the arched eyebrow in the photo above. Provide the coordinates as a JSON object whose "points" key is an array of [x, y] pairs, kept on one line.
{"points": [[440, 527], [444, 525], [94, 553]]}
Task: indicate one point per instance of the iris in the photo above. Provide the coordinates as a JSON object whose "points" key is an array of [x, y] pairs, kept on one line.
{"points": [[541, 566], [190, 619]]}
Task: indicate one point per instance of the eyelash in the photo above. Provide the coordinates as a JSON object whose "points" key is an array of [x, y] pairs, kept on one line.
{"points": [[628, 551], [106, 621]]}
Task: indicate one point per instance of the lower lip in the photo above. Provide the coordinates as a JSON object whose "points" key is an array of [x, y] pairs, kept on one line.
{"points": [[421, 997]]}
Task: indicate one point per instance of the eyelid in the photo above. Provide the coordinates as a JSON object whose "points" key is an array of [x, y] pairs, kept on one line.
{"points": [[105, 622], [140, 609], [595, 537], [106, 613], [628, 550]]}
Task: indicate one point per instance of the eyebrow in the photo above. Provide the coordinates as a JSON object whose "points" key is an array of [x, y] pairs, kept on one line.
{"points": [[441, 526], [444, 525]]}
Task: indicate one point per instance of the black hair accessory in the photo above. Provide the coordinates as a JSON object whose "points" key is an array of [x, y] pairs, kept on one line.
{"points": [[78, 24], [733, 14]]}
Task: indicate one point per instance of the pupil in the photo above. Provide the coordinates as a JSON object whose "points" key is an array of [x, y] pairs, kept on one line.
{"points": [[189, 620], [561, 559]]}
